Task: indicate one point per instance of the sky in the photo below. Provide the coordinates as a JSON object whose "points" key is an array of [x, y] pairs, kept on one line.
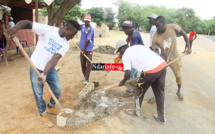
{"points": [[203, 8]]}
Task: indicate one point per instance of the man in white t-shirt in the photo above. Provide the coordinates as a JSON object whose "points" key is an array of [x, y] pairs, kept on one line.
{"points": [[51, 46], [153, 69]]}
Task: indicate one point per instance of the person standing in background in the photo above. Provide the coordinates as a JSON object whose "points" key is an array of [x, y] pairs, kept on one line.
{"points": [[86, 45], [153, 28], [192, 34], [134, 38]]}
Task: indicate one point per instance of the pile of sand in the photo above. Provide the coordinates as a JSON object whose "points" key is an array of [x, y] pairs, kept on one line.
{"points": [[106, 49]]}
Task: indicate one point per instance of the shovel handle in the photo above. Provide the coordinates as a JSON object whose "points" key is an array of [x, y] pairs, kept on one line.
{"points": [[37, 72], [176, 59], [82, 52], [115, 85]]}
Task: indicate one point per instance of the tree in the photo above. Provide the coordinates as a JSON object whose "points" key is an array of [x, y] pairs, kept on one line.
{"points": [[97, 15], [58, 10], [212, 26], [185, 18], [109, 17]]}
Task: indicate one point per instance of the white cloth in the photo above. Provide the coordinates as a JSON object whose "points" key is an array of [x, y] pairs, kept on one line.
{"points": [[11, 24], [49, 43], [152, 31], [140, 58]]}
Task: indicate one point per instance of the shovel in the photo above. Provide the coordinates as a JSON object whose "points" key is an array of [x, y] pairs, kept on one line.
{"points": [[82, 52], [114, 85], [38, 74]]}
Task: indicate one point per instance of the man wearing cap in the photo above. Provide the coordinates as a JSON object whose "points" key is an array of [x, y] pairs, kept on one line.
{"points": [[86, 45], [165, 39], [153, 28], [153, 72], [133, 38]]}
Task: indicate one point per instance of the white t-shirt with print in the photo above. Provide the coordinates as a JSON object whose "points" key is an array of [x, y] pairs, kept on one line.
{"points": [[140, 58], [49, 43]]}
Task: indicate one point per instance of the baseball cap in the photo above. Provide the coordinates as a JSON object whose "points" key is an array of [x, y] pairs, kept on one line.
{"points": [[127, 23], [87, 17], [153, 16], [119, 44], [11, 18]]}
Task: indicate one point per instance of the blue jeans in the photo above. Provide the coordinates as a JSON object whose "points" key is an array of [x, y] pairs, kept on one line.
{"points": [[54, 83], [134, 73]]}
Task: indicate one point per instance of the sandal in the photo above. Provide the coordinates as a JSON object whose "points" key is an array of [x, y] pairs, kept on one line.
{"points": [[180, 96], [151, 100], [133, 113], [129, 93]]}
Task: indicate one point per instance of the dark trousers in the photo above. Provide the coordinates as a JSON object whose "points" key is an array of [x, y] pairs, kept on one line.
{"points": [[191, 42], [157, 82], [85, 64]]}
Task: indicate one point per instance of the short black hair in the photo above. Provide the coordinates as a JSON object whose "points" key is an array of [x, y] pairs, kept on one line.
{"points": [[161, 19], [73, 23]]}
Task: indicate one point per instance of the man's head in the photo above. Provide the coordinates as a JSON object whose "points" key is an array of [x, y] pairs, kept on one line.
{"points": [[127, 27], [160, 23], [70, 29], [152, 18], [121, 46], [87, 19], [193, 28]]}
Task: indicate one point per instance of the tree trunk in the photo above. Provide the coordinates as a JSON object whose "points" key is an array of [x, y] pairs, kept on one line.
{"points": [[56, 18]]}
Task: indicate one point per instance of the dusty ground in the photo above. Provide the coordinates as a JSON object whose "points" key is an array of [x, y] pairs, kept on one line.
{"points": [[196, 114]]}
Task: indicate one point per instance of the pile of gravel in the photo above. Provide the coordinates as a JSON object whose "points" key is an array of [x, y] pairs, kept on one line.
{"points": [[96, 106], [105, 49]]}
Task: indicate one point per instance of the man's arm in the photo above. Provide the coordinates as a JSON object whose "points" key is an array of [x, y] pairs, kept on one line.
{"points": [[126, 77], [85, 46], [195, 37], [20, 25], [52, 63], [186, 40]]}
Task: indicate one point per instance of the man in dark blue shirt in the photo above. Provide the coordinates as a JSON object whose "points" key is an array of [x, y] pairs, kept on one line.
{"points": [[134, 38]]}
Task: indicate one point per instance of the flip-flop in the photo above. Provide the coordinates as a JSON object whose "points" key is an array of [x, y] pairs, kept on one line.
{"points": [[157, 119], [133, 113], [151, 100], [180, 96], [127, 94]]}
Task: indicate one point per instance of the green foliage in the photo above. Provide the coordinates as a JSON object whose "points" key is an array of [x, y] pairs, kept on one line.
{"points": [[212, 26], [73, 13], [184, 17], [109, 17], [97, 15]]}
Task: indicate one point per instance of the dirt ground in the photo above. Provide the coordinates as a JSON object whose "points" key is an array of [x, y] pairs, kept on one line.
{"points": [[196, 114]]}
